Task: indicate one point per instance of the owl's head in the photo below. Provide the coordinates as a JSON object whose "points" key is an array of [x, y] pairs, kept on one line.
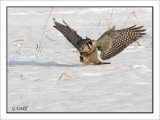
{"points": [[88, 47]]}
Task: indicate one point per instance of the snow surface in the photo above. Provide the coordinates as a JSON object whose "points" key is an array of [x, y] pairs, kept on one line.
{"points": [[125, 85]]}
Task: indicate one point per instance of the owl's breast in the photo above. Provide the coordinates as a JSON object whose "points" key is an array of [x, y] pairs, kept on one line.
{"points": [[89, 58]]}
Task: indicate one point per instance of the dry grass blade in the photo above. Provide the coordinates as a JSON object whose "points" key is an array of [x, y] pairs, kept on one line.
{"points": [[135, 15], [138, 43], [40, 44], [110, 18], [127, 21], [77, 53], [17, 40], [48, 37], [143, 42], [65, 75], [61, 76], [19, 50], [99, 24], [101, 21], [21, 76], [11, 61], [36, 47], [128, 18], [107, 23]]}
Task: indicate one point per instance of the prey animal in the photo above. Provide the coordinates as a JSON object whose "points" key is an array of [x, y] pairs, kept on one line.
{"points": [[109, 44]]}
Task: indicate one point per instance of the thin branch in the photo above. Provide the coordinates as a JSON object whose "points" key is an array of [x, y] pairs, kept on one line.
{"points": [[111, 18], [128, 18], [99, 24], [11, 61], [138, 43], [19, 50], [65, 75], [107, 23], [135, 15], [77, 53], [48, 37], [17, 40], [40, 45], [21, 76], [101, 21], [61, 76]]}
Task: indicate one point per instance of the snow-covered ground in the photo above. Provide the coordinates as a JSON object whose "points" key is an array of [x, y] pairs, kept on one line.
{"points": [[125, 85]]}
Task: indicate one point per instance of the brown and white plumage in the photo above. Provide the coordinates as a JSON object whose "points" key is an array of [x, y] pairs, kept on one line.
{"points": [[110, 43], [114, 41], [70, 34]]}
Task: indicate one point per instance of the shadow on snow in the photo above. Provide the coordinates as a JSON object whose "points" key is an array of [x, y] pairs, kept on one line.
{"points": [[35, 63]]}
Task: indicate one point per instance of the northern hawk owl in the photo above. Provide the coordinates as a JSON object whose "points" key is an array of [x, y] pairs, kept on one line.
{"points": [[109, 44]]}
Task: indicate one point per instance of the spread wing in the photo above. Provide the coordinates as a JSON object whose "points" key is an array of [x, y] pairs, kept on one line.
{"points": [[114, 41], [69, 33]]}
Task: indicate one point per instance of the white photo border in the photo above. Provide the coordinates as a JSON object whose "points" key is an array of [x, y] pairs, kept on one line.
{"points": [[154, 115]]}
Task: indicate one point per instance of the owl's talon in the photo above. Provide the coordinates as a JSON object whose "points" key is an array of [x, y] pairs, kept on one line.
{"points": [[106, 63]]}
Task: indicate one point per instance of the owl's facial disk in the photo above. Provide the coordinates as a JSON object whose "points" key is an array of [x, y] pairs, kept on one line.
{"points": [[87, 48]]}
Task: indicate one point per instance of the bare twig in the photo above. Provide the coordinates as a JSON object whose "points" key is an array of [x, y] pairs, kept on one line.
{"points": [[17, 40], [77, 53], [19, 50], [135, 15], [101, 21], [137, 21], [99, 24], [11, 61], [110, 18], [128, 18], [107, 23], [21, 76], [48, 37], [65, 75], [138, 43], [40, 44], [143, 42], [61, 76], [127, 21]]}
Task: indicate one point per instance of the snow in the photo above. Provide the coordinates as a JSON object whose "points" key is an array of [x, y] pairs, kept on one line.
{"points": [[34, 80]]}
